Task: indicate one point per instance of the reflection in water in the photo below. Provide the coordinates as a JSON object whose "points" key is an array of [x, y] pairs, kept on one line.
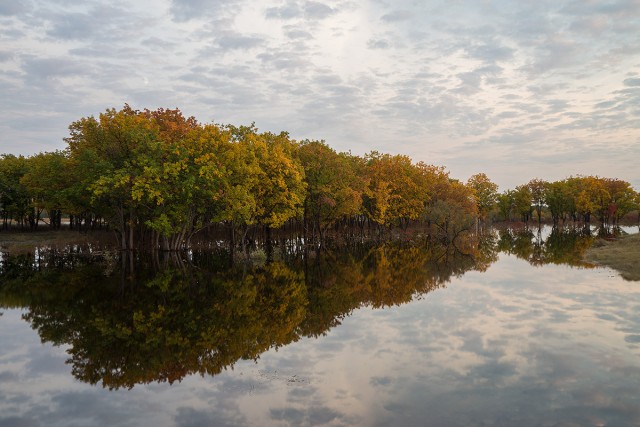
{"points": [[157, 326], [165, 319], [561, 246], [506, 344]]}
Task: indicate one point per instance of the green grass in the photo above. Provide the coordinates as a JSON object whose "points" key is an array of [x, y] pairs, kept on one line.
{"points": [[623, 255]]}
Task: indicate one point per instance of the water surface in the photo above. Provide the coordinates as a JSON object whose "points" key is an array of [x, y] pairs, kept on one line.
{"points": [[509, 329]]}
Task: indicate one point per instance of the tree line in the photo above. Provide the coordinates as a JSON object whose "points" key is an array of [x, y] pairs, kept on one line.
{"points": [[158, 178]]}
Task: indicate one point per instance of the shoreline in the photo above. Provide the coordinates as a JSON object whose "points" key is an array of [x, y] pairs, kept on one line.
{"points": [[19, 241], [621, 255]]}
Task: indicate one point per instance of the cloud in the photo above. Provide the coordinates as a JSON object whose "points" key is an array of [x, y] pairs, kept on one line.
{"points": [[18, 422], [42, 71], [190, 417], [404, 77], [74, 26], [290, 10], [491, 53], [230, 41], [555, 52], [187, 10], [317, 11], [592, 25], [298, 34], [396, 16], [94, 23], [313, 416], [284, 60], [378, 44], [632, 82], [13, 7], [309, 10]]}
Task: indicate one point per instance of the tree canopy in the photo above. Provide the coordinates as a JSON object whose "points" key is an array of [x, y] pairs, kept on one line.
{"points": [[157, 178]]}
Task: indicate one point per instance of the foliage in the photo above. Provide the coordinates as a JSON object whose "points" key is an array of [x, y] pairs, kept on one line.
{"points": [[334, 189], [485, 193], [522, 200], [157, 178], [537, 188], [15, 199], [505, 203], [450, 205], [393, 192]]}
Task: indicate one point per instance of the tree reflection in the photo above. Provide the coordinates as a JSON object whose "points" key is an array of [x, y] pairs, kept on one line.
{"points": [[130, 321], [163, 325], [564, 245]]}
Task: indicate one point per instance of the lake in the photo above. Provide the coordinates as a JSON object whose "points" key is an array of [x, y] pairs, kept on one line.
{"points": [[508, 328]]}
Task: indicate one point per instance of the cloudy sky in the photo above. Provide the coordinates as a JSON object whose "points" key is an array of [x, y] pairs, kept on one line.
{"points": [[515, 89]]}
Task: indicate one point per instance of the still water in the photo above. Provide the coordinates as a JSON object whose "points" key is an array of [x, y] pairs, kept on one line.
{"points": [[506, 329]]}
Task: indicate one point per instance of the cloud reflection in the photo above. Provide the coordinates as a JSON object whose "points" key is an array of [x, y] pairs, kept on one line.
{"points": [[516, 344]]}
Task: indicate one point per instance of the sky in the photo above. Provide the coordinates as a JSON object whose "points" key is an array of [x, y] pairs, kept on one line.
{"points": [[514, 89]]}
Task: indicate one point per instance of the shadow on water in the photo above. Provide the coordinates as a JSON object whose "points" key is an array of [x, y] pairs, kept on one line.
{"points": [[159, 318]]}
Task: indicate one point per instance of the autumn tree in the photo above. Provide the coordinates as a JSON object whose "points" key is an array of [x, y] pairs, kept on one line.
{"points": [[522, 200], [48, 179], [538, 188], [118, 142], [485, 193], [150, 169], [265, 179], [590, 196], [15, 200], [558, 199], [452, 207], [182, 181], [281, 192], [333, 190], [622, 199], [505, 203], [156, 176], [393, 193]]}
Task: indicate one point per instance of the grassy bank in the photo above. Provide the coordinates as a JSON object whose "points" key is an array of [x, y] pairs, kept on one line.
{"points": [[623, 255]]}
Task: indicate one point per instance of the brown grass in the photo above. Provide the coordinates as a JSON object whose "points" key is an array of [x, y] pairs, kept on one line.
{"points": [[623, 255]]}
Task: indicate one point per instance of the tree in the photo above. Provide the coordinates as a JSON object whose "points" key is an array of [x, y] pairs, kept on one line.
{"points": [[181, 183], [333, 190], [266, 179], [558, 199], [453, 210], [118, 142], [485, 193], [538, 188], [591, 197], [154, 169], [622, 199], [47, 179], [522, 202], [281, 193], [15, 200], [506, 204], [393, 194]]}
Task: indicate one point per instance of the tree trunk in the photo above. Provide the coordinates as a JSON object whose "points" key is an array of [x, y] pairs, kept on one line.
{"points": [[131, 229]]}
